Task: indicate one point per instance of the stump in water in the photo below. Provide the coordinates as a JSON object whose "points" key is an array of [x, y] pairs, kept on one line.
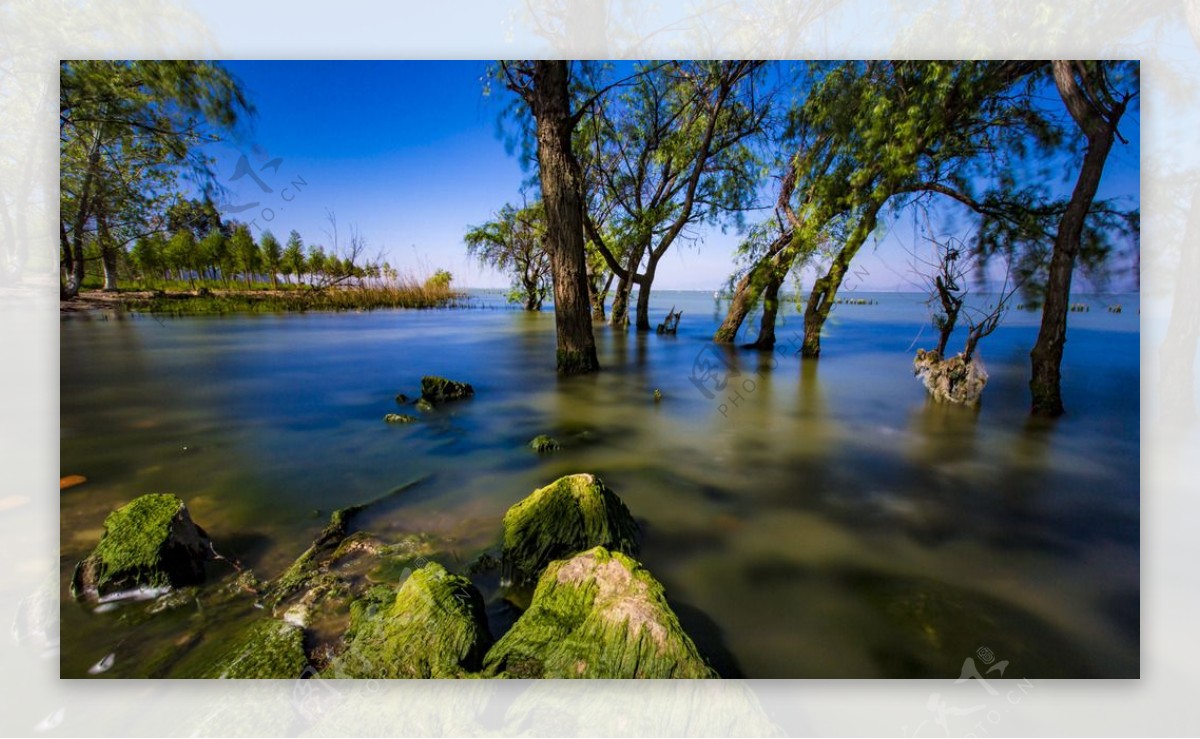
{"points": [[671, 324], [955, 380]]}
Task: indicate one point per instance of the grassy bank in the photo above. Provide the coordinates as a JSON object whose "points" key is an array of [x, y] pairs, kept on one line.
{"points": [[220, 302]]}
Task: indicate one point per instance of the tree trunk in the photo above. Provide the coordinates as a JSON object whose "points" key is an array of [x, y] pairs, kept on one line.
{"points": [[766, 326], [739, 307], [643, 304], [562, 193], [1046, 357], [825, 289], [599, 298], [619, 316], [747, 291], [108, 258]]}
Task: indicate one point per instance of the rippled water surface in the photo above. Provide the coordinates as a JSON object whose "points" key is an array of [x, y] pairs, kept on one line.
{"points": [[809, 519]]}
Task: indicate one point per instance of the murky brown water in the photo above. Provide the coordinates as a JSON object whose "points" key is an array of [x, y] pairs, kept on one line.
{"points": [[827, 522]]}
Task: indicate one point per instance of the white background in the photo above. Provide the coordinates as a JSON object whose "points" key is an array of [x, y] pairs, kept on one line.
{"points": [[35, 34]]}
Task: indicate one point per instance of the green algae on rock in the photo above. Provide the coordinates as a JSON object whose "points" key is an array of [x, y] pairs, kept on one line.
{"points": [[439, 390], [269, 649], [543, 443], [433, 627], [569, 515], [150, 542], [399, 418], [602, 615]]}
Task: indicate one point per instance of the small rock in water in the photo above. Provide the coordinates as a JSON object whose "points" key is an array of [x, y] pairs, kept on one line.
{"points": [[401, 398], [657, 395], [104, 665], [424, 405], [439, 389], [543, 443], [399, 418]]}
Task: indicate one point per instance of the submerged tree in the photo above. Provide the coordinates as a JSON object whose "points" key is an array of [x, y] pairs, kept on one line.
{"points": [[544, 86], [669, 152], [515, 242], [959, 378], [1096, 95]]}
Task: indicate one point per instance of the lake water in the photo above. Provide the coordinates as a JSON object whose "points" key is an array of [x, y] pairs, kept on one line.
{"points": [[810, 519]]}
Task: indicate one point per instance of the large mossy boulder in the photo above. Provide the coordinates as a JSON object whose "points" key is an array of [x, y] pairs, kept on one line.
{"points": [[568, 516], [438, 390], [269, 649], [433, 627], [599, 614], [150, 542]]}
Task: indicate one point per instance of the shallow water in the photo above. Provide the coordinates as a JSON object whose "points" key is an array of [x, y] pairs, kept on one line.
{"points": [[810, 519]]}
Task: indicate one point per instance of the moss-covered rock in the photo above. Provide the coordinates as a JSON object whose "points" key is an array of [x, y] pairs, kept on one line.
{"points": [[569, 515], [423, 405], [439, 390], [543, 443], [150, 542], [269, 649], [399, 418], [433, 627], [599, 614]]}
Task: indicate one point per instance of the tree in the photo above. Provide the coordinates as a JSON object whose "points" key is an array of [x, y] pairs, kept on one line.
{"points": [[544, 86], [1096, 95], [179, 253], [245, 252], [272, 256], [439, 280], [216, 250], [292, 261], [669, 152], [148, 254], [127, 129], [515, 242], [871, 135], [316, 264]]}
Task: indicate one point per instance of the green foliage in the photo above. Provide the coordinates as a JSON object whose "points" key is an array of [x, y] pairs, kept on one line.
{"points": [[129, 130], [515, 242], [440, 280], [272, 254], [246, 254]]}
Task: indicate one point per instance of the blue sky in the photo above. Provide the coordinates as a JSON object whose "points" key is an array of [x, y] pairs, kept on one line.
{"points": [[408, 153]]}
